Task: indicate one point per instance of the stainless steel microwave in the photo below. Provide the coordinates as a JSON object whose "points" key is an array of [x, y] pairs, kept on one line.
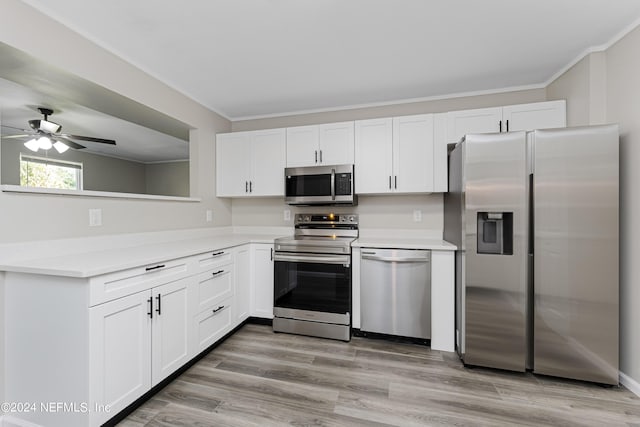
{"points": [[320, 185]]}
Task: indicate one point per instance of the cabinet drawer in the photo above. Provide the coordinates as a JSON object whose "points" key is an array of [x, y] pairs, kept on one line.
{"points": [[213, 286], [211, 324], [111, 286], [213, 259]]}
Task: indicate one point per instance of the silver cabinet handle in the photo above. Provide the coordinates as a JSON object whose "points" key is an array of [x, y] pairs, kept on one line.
{"points": [[215, 310], [316, 156], [374, 257], [320, 156], [395, 180], [246, 186], [316, 259], [389, 182], [150, 312], [159, 309]]}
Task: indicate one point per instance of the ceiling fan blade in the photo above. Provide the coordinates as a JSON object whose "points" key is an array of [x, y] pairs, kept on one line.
{"points": [[18, 136], [88, 138], [13, 127], [71, 144]]}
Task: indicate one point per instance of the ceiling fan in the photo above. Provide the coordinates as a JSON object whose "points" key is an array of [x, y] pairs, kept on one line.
{"points": [[44, 134]]}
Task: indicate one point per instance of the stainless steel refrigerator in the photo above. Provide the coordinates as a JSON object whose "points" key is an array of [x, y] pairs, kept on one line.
{"points": [[535, 218]]}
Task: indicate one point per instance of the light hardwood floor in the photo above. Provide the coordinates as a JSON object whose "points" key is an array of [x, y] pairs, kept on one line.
{"points": [[258, 378]]}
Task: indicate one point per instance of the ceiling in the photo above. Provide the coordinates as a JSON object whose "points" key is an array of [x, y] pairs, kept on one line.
{"points": [[260, 58]]}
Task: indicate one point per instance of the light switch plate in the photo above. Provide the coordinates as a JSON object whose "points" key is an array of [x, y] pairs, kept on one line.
{"points": [[95, 217], [417, 215], [287, 215], [209, 215]]}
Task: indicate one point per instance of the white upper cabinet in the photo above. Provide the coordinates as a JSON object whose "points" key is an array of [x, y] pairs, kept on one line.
{"points": [[413, 153], [302, 146], [327, 144], [394, 155], [483, 120], [373, 154], [232, 163], [537, 115], [250, 163]]}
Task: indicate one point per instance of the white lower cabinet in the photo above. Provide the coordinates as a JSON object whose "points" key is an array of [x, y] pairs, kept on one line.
{"points": [[136, 342], [212, 324], [242, 300], [120, 353], [262, 280]]}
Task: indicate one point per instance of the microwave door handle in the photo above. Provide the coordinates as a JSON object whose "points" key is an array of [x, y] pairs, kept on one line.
{"points": [[333, 184]]}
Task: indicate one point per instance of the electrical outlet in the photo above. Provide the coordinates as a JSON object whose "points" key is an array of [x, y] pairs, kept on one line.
{"points": [[287, 215], [209, 215], [417, 215], [95, 217]]}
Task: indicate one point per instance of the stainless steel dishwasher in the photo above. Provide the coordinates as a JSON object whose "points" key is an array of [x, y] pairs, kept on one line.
{"points": [[395, 292]]}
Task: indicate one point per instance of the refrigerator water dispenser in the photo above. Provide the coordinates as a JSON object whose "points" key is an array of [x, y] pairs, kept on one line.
{"points": [[495, 233]]}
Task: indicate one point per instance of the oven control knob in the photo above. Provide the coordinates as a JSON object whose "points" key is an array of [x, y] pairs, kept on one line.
{"points": [[306, 218], [351, 218]]}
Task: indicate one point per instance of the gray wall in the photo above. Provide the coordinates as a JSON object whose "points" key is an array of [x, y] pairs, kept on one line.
{"points": [[605, 87], [623, 107], [168, 178], [20, 213]]}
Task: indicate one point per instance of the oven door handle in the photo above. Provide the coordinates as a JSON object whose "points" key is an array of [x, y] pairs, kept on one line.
{"points": [[316, 259]]}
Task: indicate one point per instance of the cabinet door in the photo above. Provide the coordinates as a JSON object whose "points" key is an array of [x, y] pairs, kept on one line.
{"points": [[413, 153], [242, 302], [373, 156], [336, 143], [302, 146], [211, 324], [120, 352], [440, 160], [483, 120], [262, 281], [233, 161], [170, 349], [538, 115], [268, 153]]}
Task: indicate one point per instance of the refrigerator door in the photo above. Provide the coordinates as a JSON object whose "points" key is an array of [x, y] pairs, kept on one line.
{"points": [[495, 262], [576, 253]]}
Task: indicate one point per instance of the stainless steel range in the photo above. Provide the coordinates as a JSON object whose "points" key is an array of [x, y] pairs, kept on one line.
{"points": [[312, 276]]}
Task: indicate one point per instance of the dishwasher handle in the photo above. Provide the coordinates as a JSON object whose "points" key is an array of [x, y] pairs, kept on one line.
{"points": [[375, 257]]}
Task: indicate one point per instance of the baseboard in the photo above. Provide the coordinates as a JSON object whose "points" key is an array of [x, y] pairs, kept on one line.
{"points": [[260, 321], [630, 383]]}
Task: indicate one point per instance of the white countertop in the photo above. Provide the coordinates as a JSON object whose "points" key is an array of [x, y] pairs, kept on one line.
{"points": [[92, 262], [404, 243], [93, 256]]}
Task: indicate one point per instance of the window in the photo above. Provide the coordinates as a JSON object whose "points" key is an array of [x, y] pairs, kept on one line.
{"points": [[50, 173]]}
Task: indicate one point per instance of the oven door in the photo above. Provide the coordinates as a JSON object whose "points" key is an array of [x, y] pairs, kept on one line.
{"points": [[306, 283]]}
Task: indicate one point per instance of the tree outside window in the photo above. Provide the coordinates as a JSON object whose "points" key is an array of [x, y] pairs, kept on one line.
{"points": [[50, 173]]}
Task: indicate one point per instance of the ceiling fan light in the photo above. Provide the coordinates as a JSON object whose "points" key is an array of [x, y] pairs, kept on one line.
{"points": [[32, 144], [44, 143], [60, 147]]}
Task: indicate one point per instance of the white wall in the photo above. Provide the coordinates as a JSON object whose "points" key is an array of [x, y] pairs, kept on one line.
{"points": [[31, 217]]}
